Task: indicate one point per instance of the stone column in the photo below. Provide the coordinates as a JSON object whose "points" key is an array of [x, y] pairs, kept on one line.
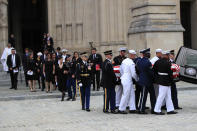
{"points": [[3, 24], [155, 24]]}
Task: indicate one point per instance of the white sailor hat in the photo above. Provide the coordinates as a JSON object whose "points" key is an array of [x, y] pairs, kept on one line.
{"points": [[165, 52], [39, 54], [158, 50], [64, 50], [132, 52], [122, 49]]}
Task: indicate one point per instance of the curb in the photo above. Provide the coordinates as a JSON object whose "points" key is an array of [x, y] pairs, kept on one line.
{"points": [[58, 95]]}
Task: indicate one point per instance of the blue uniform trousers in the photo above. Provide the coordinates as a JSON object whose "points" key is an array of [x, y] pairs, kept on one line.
{"points": [[144, 92], [85, 96], [109, 98], [71, 82], [174, 95]]}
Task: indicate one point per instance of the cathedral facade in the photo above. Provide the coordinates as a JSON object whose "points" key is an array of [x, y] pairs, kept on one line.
{"points": [[108, 24]]}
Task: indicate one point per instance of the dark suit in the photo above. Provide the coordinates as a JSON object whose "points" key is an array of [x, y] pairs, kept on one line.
{"points": [[13, 75], [43, 57], [108, 82], [146, 76], [96, 59]]}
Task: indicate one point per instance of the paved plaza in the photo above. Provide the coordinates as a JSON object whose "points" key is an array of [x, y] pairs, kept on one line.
{"points": [[52, 115]]}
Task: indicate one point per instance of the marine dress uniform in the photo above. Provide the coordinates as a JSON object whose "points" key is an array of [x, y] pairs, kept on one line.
{"points": [[164, 79], [146, 76], [83, 75], [109, 83]]}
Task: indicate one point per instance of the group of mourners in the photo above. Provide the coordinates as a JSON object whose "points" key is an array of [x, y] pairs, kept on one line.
{"points": [[126, 81]]}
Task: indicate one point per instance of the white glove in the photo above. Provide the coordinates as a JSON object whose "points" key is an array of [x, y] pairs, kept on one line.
{"points": [[80, 84]]}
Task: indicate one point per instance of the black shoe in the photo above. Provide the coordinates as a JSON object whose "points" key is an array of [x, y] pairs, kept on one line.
{"points": [[117, 107], [105, 111], [127, 108], [142, 112], [172, 112], [178, 108], [15, 89], [74, 99], [88, 110], [68, 98], [159, 113], [83, 108], [11, 88], [114, 112], [122, 112], [146, 108], [132, 111]]}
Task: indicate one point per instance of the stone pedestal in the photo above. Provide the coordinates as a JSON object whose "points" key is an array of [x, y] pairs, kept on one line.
{"points": [[3, 25], [155, 24]]}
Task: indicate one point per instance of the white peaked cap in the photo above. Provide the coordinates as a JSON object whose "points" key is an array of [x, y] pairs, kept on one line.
{"points": [[158, 50], [132, 52], [166, 52], [64, 50], [39, 54], [122, 49]]}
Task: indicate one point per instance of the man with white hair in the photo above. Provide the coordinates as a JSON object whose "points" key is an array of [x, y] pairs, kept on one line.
{"points": [[164, 79], [64, 55], [128, 72]]}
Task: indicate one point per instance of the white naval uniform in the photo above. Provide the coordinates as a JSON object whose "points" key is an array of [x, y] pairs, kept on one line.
{"points": [[127, 70], [164, 94], [156, 86], [119, 90], [6, 52]]}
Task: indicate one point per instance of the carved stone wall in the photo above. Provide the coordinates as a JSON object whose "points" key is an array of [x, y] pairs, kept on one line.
{"points": [[3, 24]]}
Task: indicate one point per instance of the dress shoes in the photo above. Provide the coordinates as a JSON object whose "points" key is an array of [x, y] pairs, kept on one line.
{"points": [[172, 112]]}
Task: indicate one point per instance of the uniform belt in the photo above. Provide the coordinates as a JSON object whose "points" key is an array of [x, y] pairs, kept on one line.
{"points": [[162, 74], [84, 75]]}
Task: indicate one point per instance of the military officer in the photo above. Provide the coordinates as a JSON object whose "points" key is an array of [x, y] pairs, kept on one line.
{"points": [[117, 61], [164, 79], [108, 82], [144, 67], [153, 60], [83, 75], [173, 86], [128, 73]]}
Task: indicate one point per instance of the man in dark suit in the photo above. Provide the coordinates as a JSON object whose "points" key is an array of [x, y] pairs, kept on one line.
{"points": [[13, 62], [24, 63], [96, 63], [146, 76], [108, 83]]}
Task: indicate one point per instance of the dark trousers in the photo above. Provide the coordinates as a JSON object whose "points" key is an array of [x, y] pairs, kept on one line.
{"points": [[43, 82], [109, 99], [144, 92], [26, 81], [174, 95], [85, 96], [71, 82], [137, 94], [97, 74], [14, 79]]}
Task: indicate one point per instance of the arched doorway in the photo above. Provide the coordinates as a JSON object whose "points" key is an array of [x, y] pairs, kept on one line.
{"points": [[28, 21]]}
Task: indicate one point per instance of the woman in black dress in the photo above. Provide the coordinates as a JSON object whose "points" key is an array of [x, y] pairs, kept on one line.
{"points": [[39, 67], [61, 76], [55, 62], [31, 72], [49, 71]]}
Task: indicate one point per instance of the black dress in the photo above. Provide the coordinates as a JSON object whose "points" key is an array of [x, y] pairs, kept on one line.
{"points": [[38, 66], [49, 71], [61, 77], [31, 65]]}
